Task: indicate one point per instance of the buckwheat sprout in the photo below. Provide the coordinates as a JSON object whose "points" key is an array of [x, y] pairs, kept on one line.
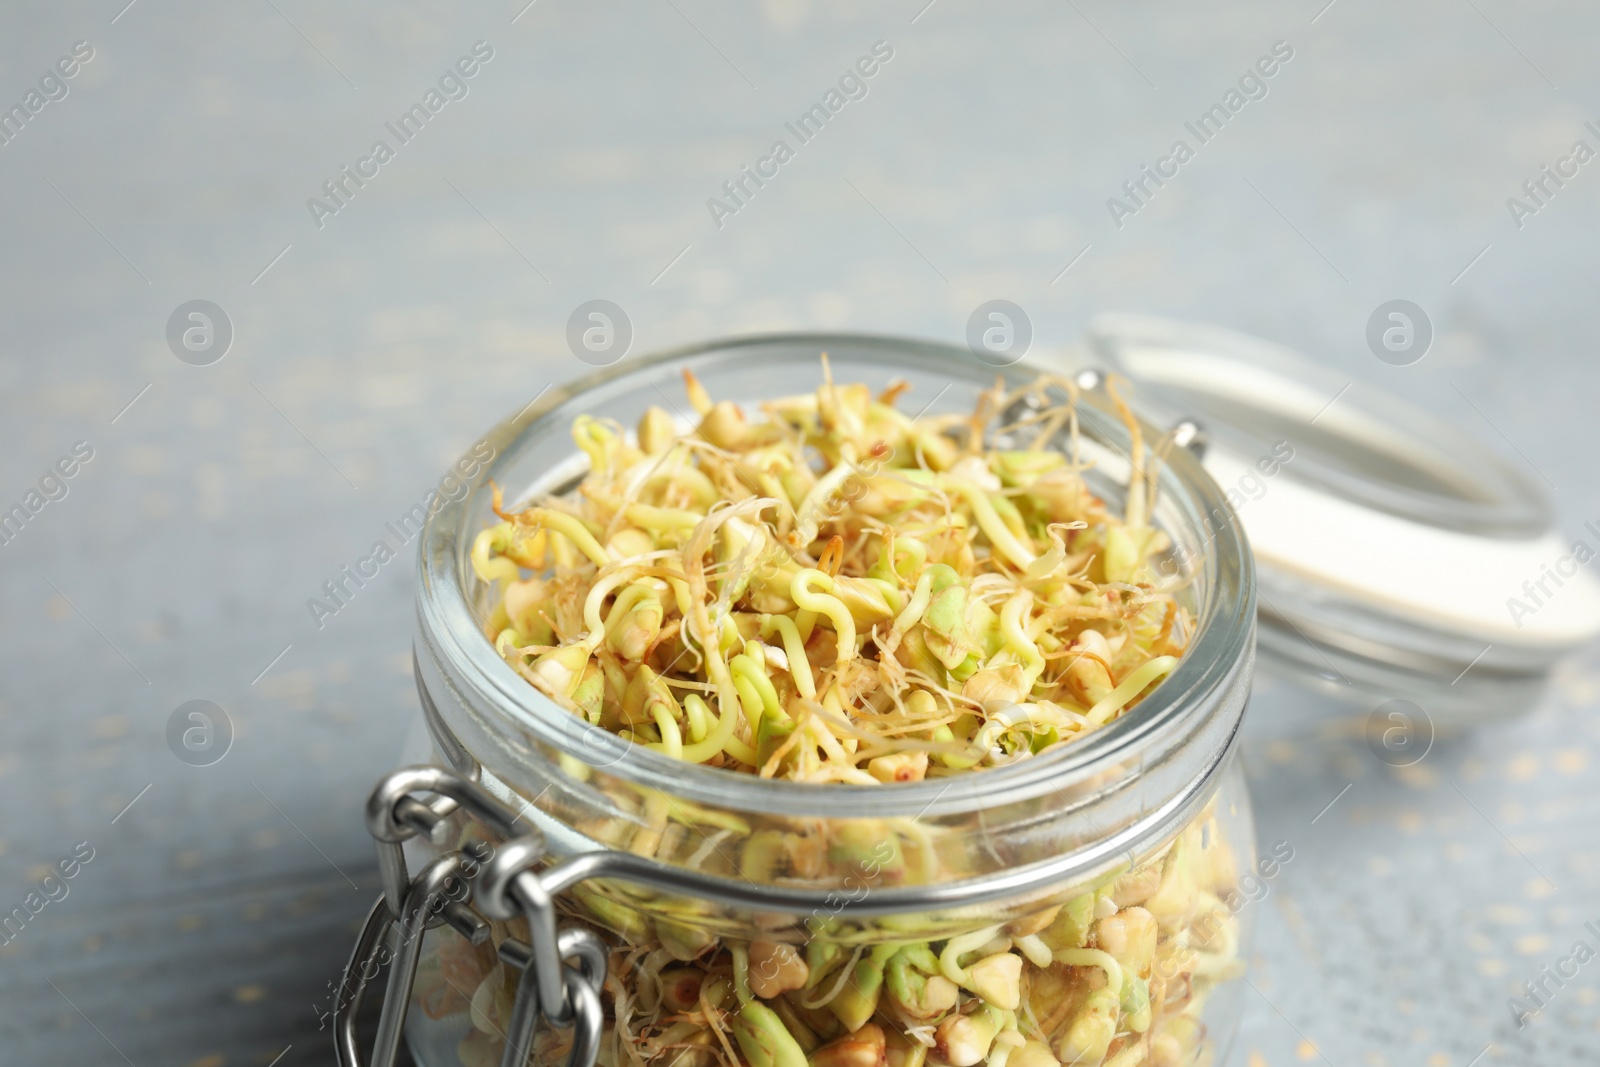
{"points": [[569, 527], [671, 737], [720, 738], [1130, 687], [1093, 957], [913, 611], [983, 510], [822, 604], [596, 598], [956, 947], [795, 649], [1017, 639]]}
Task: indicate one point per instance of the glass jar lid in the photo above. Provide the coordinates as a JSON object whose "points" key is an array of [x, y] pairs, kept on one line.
{"points": [[1396, 556]]}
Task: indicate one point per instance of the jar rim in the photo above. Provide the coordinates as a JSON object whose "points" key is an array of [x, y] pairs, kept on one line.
{"points": [[1223, 635]]}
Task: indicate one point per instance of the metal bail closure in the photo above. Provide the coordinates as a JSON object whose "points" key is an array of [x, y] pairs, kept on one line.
{"points": [[358, 972], [503, 882], [423, 899], [581, 988], [564, 996]]}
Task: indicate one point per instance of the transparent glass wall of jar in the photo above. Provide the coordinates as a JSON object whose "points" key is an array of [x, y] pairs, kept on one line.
{"points": [[1137, 966]]}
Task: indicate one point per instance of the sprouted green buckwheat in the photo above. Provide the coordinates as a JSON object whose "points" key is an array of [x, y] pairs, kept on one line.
{"points": [[838, 592]]}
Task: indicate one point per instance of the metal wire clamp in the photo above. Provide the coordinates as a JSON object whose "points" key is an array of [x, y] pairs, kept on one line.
{"points": [[464, 889]]}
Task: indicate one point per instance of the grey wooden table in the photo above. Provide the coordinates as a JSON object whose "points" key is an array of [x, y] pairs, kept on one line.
{"points": [[371, 343]]}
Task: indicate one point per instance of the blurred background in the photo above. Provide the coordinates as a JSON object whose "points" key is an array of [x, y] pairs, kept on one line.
{"points": [[370, 346]]}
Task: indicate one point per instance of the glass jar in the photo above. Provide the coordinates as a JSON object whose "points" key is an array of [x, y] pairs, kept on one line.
{"points": [[1087, 905]]}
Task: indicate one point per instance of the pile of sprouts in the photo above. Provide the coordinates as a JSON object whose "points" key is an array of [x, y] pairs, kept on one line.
{"points": [[839, 591]]}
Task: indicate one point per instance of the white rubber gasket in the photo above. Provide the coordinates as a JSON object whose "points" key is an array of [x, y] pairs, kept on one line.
{"points": [[1453, 581]]}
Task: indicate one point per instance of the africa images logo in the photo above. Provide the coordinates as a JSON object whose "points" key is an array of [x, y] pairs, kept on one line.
{"points": [[852, 85], [1252, 85], [343, 186]]}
